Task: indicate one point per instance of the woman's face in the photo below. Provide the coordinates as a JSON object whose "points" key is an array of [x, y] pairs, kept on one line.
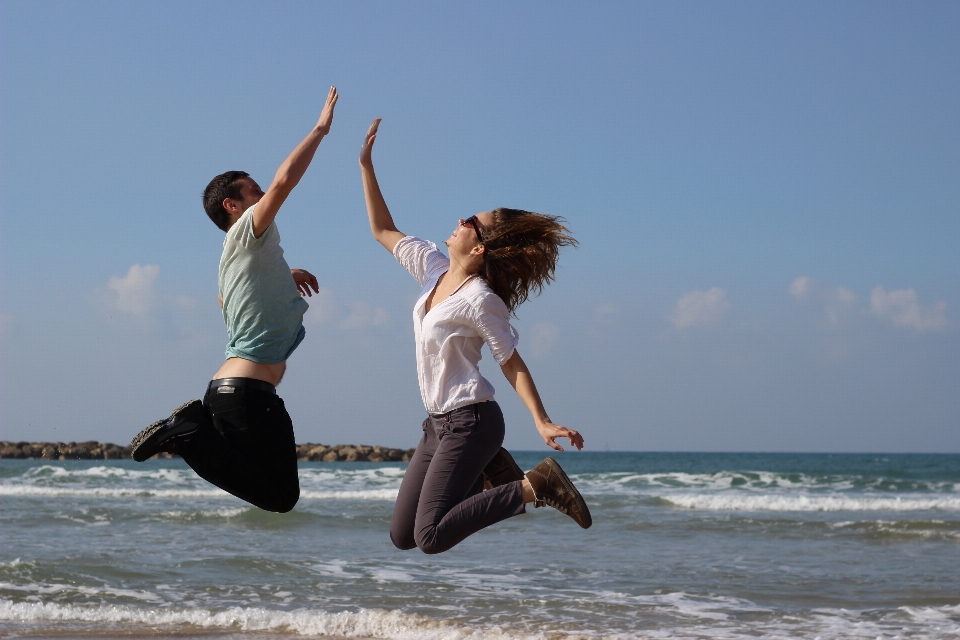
{"points": [[464, 236]]}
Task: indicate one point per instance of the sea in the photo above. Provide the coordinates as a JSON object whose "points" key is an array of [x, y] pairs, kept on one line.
{"points": [[683, 545]]}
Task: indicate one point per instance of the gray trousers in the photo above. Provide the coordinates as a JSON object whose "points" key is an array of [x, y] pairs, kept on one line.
{"points": [[441, 498]]}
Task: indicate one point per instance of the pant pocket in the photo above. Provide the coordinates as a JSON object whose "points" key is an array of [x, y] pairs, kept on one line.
{"points": [[463, 424]]}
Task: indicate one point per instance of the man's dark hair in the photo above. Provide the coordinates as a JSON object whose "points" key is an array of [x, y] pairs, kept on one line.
{"points": [[226, 185]]}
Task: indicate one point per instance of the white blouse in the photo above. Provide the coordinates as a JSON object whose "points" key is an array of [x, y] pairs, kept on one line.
{"points": [[449, 337]]}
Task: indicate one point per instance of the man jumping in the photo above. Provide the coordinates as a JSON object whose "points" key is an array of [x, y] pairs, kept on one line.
{"points": [[240, 437]]}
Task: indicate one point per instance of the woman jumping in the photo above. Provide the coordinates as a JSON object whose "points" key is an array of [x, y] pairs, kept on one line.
{"points": [[497, 259]]}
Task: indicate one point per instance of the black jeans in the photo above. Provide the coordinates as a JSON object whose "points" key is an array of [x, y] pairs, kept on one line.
{"points": [[247, 449], [441, 499]]}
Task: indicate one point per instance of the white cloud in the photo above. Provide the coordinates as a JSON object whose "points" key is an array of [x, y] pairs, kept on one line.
{"points": [[543, 338], [801, 286], [323, 307], [844, 295], [839, 305], [699, 307], [351, 315], [903, 309], [135, 301], [363, 315], [136, 292]]}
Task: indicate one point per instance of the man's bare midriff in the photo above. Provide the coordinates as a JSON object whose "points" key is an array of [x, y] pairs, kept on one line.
{"points": [[240, 368]]}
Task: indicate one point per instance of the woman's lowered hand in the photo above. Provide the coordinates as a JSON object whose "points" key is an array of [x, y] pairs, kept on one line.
{"points": [[550, 432]]}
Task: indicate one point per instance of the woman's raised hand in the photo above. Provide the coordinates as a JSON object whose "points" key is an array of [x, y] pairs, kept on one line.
{"points": [[550, 432], [366, 159]]}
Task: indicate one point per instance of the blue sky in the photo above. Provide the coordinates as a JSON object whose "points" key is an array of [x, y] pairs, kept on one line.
{"points": [[767, 197]]}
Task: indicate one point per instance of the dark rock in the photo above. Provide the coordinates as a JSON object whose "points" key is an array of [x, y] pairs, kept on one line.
{"points": [[93, 450], [11, 451]]}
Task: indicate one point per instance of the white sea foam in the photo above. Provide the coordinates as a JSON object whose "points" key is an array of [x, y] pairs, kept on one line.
{"points": [[903, 528], [17, 562], [811, 502], [375, 623], [101, 482], [224, 512], [51, 588], [706, 618], [47, 471], [642, 483], [133, 492], [373, 494], [54, 492]]}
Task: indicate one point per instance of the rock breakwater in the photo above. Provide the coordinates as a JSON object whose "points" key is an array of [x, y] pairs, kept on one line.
{"points": [[93, 450]]}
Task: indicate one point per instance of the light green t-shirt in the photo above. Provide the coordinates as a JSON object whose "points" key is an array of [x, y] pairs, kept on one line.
{"points": [[261, 305]]}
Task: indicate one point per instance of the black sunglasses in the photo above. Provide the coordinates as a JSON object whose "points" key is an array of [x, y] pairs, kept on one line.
{"points": [[472, 221]]}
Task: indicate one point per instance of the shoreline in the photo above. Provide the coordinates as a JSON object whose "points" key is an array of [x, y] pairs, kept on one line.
{"points": [[93, 450]]}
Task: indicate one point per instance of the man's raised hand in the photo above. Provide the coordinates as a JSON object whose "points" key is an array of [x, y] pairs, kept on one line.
{"points": [[326, 116]]}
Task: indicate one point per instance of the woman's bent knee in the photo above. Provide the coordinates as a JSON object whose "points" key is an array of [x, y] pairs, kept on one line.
{"points": [[402, 542], [428, 543]]}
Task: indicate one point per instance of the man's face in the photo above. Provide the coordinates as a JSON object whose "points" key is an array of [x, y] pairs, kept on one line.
{"points": [[250, 193]]}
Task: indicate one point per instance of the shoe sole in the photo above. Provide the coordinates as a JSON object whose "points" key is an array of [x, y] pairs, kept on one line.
{"points": [[142, 439], [568, 485]]}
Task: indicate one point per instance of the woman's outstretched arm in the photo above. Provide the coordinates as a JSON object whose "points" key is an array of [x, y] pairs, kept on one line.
{"points": [[515, 369], [381, 222]]}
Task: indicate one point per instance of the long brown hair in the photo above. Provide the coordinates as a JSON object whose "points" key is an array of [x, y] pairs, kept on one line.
{"points": [[520, 253]]}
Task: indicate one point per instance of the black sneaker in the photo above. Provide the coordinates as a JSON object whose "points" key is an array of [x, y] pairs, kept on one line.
{"points": [[162, 435], [502, 469]]}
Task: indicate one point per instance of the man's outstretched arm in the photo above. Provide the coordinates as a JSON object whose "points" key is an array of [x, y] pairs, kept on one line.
{"points": [[292, 169]]}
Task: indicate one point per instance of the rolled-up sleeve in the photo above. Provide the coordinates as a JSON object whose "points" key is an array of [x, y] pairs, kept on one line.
{"points": [[419, 257], [493, 323]]}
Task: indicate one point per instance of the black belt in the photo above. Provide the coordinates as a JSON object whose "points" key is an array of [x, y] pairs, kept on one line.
{"points": [[242, 383]]}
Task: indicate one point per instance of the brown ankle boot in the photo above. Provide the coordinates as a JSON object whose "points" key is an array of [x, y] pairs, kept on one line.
{"points": [[552, 487]]}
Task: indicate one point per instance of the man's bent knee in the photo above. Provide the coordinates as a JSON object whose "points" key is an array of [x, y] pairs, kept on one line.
{"points": [[281, 504]]}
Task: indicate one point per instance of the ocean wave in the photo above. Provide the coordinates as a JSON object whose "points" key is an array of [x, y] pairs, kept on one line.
{"points": [[47, 589], [60, 474], [705, 620], [641, 483], [371, 494], [57, 492], [133, 492], [117, 482], [365, 623], [791, 502], [901, 528], [723, 490], [225, 512]]}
